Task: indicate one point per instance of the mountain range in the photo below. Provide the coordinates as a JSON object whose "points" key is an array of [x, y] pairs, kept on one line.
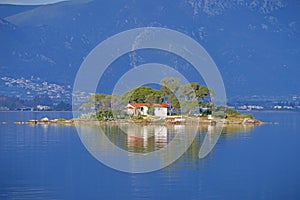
{"points": [[255, 44]]}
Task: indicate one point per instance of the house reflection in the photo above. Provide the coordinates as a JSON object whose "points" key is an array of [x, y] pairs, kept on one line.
{"points": [[160, 136], [150, 137], [106, 141], [137, 137]]}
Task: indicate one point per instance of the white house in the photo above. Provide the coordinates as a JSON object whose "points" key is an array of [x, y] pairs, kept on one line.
{"points": [[137, 108], [160, 110]]}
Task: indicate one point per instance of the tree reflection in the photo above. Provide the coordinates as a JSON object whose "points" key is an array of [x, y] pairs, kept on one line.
{"points": [[103, 141]]}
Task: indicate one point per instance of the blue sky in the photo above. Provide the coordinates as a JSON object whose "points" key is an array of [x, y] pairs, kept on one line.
{"points": [[29, 2]]}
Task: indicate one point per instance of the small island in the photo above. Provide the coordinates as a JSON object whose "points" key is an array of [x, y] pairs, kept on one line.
{"points": [[171, 104]]}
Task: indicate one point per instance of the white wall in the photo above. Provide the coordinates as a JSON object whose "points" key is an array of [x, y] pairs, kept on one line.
{"points": [[144, 110], [160, 112]]}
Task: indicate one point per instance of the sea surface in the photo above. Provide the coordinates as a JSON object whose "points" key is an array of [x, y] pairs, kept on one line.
{"points": [[51, 162]]}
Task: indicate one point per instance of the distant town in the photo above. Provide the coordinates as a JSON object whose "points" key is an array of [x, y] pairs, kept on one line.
{"points": [[29, 88], [35, 94], [256, 102]]}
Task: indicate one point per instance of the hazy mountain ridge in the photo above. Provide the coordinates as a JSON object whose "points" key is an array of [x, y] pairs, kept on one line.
{"points": [[218, 7], [245, 38]]}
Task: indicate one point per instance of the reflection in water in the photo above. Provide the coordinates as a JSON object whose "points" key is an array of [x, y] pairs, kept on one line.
{"points": [[146, 137], [144, 148], [154, 137], [134, 148], [237, 129], [151, 137], [211, 138], [140, 187], [161, 136]]}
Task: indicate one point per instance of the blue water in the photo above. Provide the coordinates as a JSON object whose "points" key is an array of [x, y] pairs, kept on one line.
{"points": [[50, 162]]}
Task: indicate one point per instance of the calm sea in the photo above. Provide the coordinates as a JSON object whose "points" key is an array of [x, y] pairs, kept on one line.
{"points": [[50, 162]]}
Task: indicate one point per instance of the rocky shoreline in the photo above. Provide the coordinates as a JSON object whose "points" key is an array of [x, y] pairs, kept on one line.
{"points": [[194, 121]]}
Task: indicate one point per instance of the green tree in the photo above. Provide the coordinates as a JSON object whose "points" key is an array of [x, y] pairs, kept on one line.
{"points": [[175, 103], [154, 97], [99, 101], [170, 86], [171, 83], [186, 92], [140, 95], [116, 102], [171, 98], [106, 103], [194, 91], [189, 106]]}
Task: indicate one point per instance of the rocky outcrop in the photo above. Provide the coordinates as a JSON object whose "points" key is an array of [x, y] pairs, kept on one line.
{"points": [[251, 121]]}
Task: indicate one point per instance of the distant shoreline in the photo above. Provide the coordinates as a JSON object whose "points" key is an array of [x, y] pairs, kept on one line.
{"points": [[242, 111], [269, 111]]}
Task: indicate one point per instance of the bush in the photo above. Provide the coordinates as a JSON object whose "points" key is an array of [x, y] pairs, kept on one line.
{"points": [[119, 114], [247, 116], [88, 116], [105, 115], [233, 113], [136, 117], [220, 114], [61, 119], [229, 112]]}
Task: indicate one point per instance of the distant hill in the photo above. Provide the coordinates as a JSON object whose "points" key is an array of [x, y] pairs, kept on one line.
{"points": [[254, 43]]}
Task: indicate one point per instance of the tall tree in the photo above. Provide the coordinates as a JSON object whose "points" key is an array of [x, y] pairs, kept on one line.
{"points": [[99, 102], [186, 92], [154, 97], [194, 91], [170, 86], [141, 95], [175, 104], [189, 106], [171, 83], [116, 102]]}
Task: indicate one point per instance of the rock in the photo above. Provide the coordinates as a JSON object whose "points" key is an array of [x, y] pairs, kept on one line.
{"points": [[54, 120], [250, 121], [45, 119], [32, 121], [213, 123]]}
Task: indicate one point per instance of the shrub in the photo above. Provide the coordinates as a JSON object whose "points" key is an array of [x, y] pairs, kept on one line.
{"points": [[234, 113], [220, 114]]}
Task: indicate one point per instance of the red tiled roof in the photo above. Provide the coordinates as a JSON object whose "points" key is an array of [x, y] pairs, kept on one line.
{"points": [[138, 105], [163, 105]]}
